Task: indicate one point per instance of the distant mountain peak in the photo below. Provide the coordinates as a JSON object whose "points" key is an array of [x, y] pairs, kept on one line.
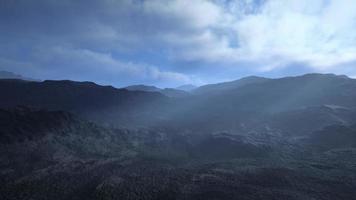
{"points": [[72, 83], [320, 75], [11, 75], [187, 87], [169, 92], [252, 77], [231, 85], [146, 88]]}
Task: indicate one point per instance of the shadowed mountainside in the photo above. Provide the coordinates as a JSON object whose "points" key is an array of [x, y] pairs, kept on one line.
{"points": [[290, 138], [235, 106], [87, 99]]}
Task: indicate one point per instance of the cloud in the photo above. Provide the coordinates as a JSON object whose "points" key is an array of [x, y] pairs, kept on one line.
{"points": [[87, 61], [159, 39], [82, 64], [321, 33], [274, 34]]}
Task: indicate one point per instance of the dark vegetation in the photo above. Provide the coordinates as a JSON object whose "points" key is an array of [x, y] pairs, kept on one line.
{"points": [[255, 138]]}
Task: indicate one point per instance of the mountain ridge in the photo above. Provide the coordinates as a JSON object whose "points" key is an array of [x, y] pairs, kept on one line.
{"points": [[227, 106], [11, 75], [169, 92], [291, 138]]}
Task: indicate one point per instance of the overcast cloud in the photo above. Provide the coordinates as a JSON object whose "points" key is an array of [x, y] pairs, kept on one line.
{"points": [[168, 43]]}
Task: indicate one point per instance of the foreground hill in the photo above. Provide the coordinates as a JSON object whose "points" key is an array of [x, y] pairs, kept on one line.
{"points": [[57, 155]]}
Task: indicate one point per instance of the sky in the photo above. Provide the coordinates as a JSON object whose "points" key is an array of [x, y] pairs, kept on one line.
{"points": [[168, 43]]}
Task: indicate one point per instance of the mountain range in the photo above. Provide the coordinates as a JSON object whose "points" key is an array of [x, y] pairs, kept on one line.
{"points": [[170, 92], [285, 138]]}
